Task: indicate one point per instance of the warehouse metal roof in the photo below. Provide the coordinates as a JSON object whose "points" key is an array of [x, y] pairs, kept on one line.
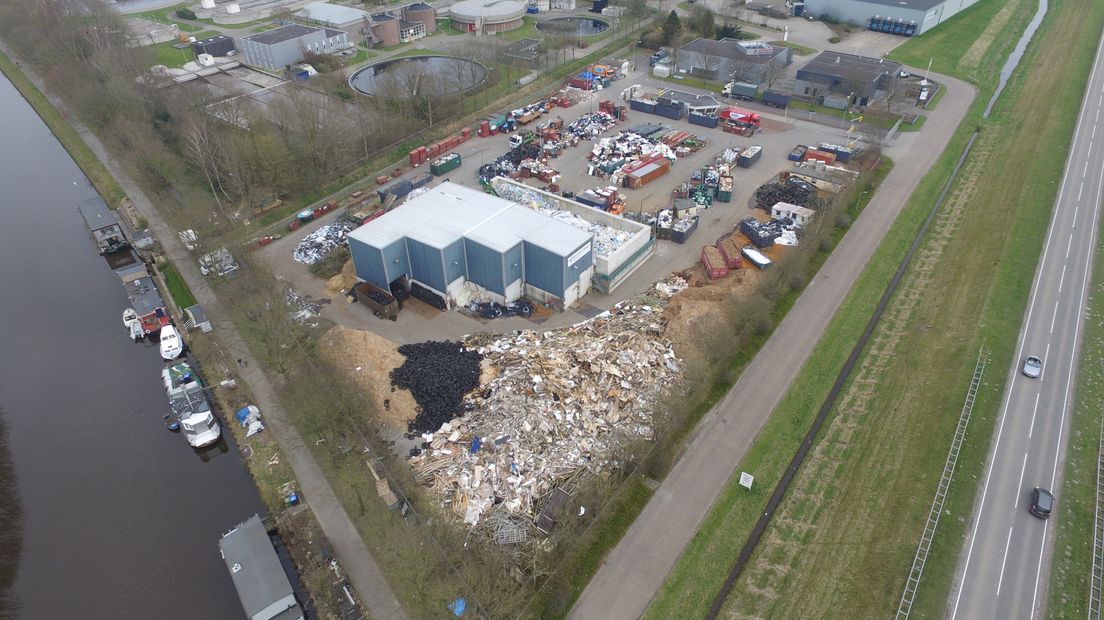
{"points": [[849, 67], [331, 14], [255, 569], [279, 35], [450, 212], [916, 5]]}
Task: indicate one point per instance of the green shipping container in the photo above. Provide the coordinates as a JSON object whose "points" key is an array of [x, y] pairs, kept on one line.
{"points": [[723, 196], [446, 164]]}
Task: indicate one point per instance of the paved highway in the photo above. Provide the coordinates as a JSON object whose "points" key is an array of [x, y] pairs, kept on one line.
{"points": [[1004, 571]]}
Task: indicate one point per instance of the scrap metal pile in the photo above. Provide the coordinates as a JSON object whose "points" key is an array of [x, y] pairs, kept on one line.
{"points": [[317, 245], [590, 126], [438, 375], [507, 164], [609, 155], [606, 239], [773, 193], [557, 404]]}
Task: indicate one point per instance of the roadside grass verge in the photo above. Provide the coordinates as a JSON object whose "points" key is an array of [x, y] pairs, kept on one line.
{"points": [[883, 432], [68, 137], [1071, 562], [799, 50], [178, 288]]}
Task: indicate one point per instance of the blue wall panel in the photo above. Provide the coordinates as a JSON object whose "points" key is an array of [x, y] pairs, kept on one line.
{"points": [[544, 270], [581, 264], [426, 265], [368, 263], [485, 267], [455, 266]]}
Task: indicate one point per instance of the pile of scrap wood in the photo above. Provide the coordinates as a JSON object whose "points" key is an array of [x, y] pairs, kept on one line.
{"points": [[557, 405]]}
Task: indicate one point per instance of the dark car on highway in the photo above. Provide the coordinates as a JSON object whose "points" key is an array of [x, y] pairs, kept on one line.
{"points": [[1042, 502]]}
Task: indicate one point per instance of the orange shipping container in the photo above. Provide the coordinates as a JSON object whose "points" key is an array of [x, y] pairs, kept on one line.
{"points": [[414, 157], [828, 158], [713, 262], [730, 252]]}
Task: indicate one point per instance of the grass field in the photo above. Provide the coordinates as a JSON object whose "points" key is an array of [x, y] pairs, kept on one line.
{"points": [[528, 30], [1071, 563], [174, 58], [894, 422], [799, 50], [167, 15], [178, 288], [91, 167]]}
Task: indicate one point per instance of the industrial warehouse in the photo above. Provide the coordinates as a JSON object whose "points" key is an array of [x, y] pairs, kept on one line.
{"points": [[452, 235]]}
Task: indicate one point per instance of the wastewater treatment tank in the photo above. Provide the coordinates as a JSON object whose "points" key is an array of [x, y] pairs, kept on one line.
{"points": [[415, 76], [573, 26]]}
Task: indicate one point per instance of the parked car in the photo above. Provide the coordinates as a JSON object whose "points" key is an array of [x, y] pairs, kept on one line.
{"points": [[1042, 502], [1033, 367]]}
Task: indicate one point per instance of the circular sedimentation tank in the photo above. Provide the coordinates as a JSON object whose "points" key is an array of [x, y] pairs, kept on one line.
{"points": [[573, 26], [414, 76], [489, 15]]}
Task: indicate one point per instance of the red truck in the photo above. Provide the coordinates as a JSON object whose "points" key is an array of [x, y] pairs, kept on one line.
{"points": [[737, 116]]}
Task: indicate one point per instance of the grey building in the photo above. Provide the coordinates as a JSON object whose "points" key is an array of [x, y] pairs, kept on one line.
{"points": [[904, 17], [836, 75], [453, 235], [218, 45], [101, 222], [276, 49], [733, 60], [260, 580]]}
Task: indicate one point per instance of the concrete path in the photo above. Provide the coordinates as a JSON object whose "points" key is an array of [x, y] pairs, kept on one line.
{"points": [[361, 568], [632, 573]]}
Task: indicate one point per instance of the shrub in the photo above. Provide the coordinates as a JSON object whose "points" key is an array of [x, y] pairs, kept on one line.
{"points": [[834, 39], [185, 14]]}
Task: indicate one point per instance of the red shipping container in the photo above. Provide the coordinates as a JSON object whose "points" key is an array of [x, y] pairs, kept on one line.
{"points": [[294, 225], [423, 154], [318, 212], [414, 157], [484, 129], [456, 140], [382, 180], [827, 158], [466, 133], [730, 252], [713, 262]]}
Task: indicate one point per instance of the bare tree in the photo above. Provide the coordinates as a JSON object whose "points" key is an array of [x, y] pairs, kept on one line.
{"points": [[772, 71]]}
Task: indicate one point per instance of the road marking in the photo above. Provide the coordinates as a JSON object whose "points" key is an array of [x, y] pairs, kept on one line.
{"points": [[1042, 549], [1027, 321], [1069, 244], [1031, 431], [1062, 279], [1094, 131], [1054, 316], [1075, 210], [1089, 152], [1046, 356], [1019, 490], [1080, 189], [1085, 171], [1007, 544]]}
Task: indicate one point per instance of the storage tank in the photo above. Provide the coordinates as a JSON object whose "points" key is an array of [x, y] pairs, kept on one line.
{"points": [[386, 29], [487, 16], [422, 12]]}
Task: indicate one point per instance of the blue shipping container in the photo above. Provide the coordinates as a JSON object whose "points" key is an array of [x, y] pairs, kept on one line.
{"points": [[642, 106], [702, 120], [671, 112]]}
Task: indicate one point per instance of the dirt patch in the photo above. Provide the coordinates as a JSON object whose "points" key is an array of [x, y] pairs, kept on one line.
{"points": [[770, 125], [367, 359], [343, 281]]}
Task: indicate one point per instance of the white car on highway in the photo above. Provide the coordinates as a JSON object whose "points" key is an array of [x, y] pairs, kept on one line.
{"points": [[1033, 367]]}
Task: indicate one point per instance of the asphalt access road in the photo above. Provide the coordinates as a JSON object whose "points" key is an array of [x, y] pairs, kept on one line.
{"points": [[635, 569], [1003, 573]]}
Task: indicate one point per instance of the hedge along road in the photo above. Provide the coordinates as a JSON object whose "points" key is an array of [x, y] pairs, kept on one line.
{"points": [[360, 567], [637, 567]]}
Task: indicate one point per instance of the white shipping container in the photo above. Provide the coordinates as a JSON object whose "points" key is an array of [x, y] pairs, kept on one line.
{"points": [[661, 71]]}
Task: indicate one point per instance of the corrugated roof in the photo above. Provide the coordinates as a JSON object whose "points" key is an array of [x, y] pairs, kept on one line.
{"points": [[916, 5], [849, 67], [256, 572], [96, 214], [450, 212], [734, 49], [333, 14]]}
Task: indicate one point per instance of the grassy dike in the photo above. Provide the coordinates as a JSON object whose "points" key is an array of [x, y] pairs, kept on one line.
{"points": [[65, 134], [1071, 563], [898, 437]]}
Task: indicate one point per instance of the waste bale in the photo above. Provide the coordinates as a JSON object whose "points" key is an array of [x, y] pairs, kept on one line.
{"points": [[438, 374]]}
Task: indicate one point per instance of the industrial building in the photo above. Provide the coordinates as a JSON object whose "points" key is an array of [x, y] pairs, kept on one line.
{"points": [[218, 45], [410, 23], [856, 79], [277, 49], [732, 60], [333, 16], [904, 17], [487, 16], [453, 235], [262, 584]]}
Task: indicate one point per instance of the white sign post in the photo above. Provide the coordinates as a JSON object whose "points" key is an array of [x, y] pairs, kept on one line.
{"points": [[746, 479]]}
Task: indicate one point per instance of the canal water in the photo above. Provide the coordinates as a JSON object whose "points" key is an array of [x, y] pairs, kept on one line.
{"points": [[121, 517], [1016, 55]]}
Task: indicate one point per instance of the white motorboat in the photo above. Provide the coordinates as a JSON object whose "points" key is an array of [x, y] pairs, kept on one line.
{"points": [[136, 331], [129, 316], [171, 344], [191, 411]]}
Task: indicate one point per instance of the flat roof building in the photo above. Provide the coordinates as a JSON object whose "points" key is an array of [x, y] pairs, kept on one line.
{"points": [[837, 73], [262, 584], [487, 16], [452, 235], [732, 59], [331, 15], [903, 17], [103, 226], [279, 48]]}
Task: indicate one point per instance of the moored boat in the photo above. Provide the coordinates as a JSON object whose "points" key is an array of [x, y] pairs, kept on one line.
{"points": [[171, 344]]}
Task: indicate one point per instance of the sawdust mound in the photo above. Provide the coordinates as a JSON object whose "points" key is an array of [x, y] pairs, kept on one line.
{"points": [[699, 311], [368, 359], [343, 281]]}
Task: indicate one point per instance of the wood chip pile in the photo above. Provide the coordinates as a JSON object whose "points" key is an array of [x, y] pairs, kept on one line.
{"points": [[556, 404]]}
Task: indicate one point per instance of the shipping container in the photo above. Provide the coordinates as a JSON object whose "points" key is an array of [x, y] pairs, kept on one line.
{"points": [[398, 187], [420, 180], [730, 252], [682, 236], [673, 112], [724, 189], [798, 154], [646, 174], [749, 156], [741, 90], [817, 155], [703, 120], [414, 158], [661, 71], [713, 262], [756, 257], [484, 129], [445, 164], [842, 153], [381, 302], [466, 133], [776, 99], [760, 233], [642, 105]]}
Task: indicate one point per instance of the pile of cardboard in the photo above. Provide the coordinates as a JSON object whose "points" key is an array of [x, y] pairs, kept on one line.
{"points": [[556, 405]]}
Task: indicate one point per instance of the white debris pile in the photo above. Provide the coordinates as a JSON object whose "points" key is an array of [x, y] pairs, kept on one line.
{"points": [[317, 245], [729, 156], [556, 404], [606, 238]]}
